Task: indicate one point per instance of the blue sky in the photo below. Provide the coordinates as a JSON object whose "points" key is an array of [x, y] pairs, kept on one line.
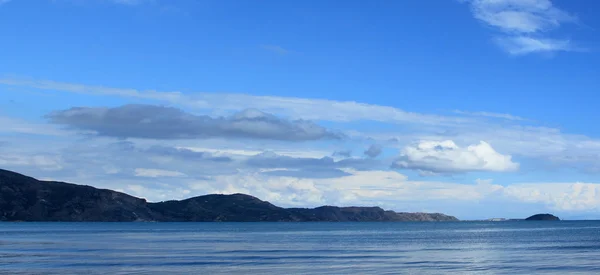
{"points": [[476, 108]]}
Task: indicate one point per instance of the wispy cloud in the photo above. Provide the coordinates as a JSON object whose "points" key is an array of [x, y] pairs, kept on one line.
{"points": [[45, 162], [157, 173], [524, 24], [303, 108], [488, 114], [4, 1], [521, 45], [520, 16], [15, 125], [276, 49]]}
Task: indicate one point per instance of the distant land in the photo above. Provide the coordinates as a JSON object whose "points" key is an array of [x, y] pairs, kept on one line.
{"points": [[543, 217], [24, 198], [536, 217]]}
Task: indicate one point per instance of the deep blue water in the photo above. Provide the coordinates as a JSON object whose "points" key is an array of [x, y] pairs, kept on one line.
{"points": [[300, 248]]}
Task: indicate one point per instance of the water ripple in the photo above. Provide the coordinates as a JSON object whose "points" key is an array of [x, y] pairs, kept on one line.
{"points": [[299, 248]]}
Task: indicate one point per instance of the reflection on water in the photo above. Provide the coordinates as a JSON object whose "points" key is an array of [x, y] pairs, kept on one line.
{"points": [[300, 248]]}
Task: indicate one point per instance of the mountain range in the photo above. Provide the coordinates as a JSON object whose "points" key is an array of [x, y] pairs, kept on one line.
{"points": [[24, 198]]}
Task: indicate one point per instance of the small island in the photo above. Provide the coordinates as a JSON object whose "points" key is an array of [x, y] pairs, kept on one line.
{"points": [[543, 217]]}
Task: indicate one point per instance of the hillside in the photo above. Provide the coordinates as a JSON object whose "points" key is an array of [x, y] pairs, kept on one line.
{"points": [[24, 198], [543, 217]]}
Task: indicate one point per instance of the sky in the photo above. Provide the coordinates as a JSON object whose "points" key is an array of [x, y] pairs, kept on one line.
{"points": [[473, 108]]}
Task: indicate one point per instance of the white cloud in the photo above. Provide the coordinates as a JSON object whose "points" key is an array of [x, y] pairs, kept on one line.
{"points": [[558, 196], [520, 16], [171, 97], [549, 145], [520, 45], [447, 157], [524, 24], [155, 173], [538, 142]]}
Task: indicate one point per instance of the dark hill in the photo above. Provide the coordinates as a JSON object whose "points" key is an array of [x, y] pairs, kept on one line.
{"points": [[236, 207], [24, 198], [27, 199], [543, 217]]}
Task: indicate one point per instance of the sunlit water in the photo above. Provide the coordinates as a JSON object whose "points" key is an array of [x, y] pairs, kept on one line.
{"points": [[300, 248]]}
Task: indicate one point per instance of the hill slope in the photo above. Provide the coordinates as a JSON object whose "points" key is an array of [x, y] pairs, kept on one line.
{"points": [[24, 198]]}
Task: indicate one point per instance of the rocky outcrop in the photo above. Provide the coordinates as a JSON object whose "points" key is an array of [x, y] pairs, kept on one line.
{"points": [[24, 198], [543, 217]]}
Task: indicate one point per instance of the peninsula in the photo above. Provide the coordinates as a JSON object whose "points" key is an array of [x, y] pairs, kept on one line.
{"points": [[24, 198]]}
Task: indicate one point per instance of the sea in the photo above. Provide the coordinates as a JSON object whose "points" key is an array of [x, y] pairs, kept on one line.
{"points": [[546, 247]]}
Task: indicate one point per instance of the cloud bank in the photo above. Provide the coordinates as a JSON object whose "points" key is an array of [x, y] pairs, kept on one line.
{"points": [[172, 153], [158, 122]]}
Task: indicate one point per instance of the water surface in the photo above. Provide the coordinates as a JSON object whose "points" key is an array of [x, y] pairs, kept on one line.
{"points": [[300, 248]]}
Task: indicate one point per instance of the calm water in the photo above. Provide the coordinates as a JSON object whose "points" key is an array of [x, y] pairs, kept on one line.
{"points": [[300, 248]]}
